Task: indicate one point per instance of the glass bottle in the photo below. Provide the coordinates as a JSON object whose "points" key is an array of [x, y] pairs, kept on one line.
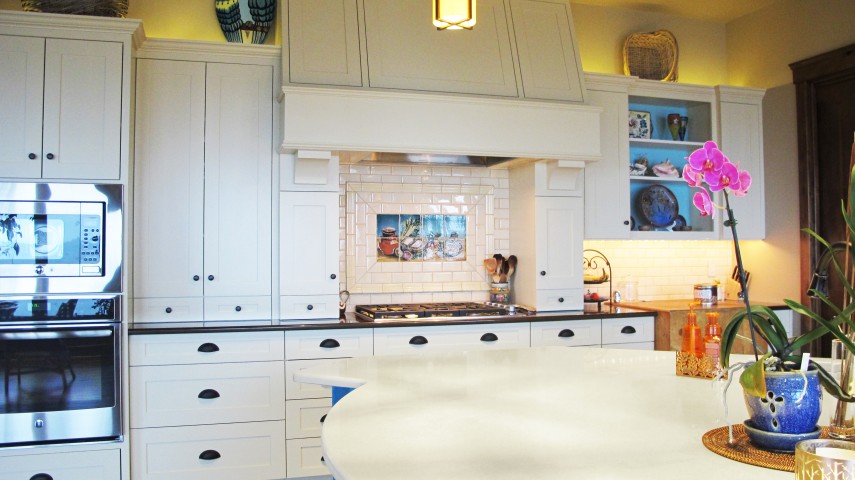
{"points": [[693, 342], [712, 337]]}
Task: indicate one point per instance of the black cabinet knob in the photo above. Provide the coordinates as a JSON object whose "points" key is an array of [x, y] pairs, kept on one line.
{"points": [[418, 340], [49, 156], [560, 299], [543, 273], [208, 348], [330, 343], [489, 337], [322, 459], [237, 308], [209, 455], [41, 476], [195, 278], [209, 394], [332, 276], [310, 307], [323, 418], [566, 333], [626, 222], [32, 156], [629, 329], [168, 310], [210, 277]]}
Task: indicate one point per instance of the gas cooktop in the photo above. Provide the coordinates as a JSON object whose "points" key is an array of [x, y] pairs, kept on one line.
{"points": [[425, 311]]}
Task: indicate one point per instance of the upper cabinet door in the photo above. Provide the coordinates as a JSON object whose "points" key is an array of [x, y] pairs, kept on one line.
{"points": [[548, 72], [558, 241], [22, 78], [82, 109], [323, 42], [308, 242], [238, 156], [406, 51], [169, 166]]}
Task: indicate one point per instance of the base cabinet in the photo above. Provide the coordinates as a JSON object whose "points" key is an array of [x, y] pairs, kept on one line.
{"points": [[92, 465]]}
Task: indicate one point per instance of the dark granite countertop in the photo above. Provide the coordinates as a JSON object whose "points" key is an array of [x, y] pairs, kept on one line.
{"points": [[352, 322]]}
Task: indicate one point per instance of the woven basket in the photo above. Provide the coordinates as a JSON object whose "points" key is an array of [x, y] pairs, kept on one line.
{"points": [[651, 55], [98, 8]]}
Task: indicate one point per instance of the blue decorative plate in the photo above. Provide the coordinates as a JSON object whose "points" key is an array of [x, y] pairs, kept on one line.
{"points": [[781, 442], [659, 205]]}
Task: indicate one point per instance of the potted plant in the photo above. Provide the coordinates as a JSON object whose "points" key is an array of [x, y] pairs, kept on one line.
{"points": [[783, 388]]}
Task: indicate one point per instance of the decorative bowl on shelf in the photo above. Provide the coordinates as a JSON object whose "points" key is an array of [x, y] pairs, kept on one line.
{"points": [[98, 8]]}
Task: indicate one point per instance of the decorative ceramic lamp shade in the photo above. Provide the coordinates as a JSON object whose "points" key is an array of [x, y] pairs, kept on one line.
{"points": [[454, 14]]}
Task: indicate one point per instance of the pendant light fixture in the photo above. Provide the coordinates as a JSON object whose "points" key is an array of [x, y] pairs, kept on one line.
{"points": [[454, 14]]}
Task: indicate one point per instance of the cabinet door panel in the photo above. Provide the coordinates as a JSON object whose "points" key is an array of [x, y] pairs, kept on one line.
{"points": [[309, 243], [741, 137], [22, 77], [238, 158], [169, 163], [83, 109], [627, 330], [559, 240], [324, 42], [567, 333], [197, 348], [305, 459], [305, 417], [92, 465]]}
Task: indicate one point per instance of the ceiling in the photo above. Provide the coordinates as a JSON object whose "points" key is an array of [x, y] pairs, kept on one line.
{"points": [[721, 11]]}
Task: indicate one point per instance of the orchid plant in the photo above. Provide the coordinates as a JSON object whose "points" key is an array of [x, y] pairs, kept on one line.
{"points": [[709, 170]]}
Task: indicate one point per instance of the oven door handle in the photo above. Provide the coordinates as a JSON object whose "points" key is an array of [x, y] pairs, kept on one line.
{"points": [[58, 332]]}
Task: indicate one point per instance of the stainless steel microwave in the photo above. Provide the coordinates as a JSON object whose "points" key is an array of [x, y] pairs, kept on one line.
{"points": [[60, 238]]}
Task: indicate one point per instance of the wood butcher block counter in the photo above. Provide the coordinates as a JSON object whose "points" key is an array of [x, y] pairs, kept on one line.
{"points": [[671, 316]]}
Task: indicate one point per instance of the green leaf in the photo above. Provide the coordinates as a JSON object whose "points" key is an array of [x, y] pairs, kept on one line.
{"points": [[753, 378]]}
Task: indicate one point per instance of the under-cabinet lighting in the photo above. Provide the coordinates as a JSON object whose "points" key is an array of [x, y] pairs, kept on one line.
{"points": [[454, 14]]}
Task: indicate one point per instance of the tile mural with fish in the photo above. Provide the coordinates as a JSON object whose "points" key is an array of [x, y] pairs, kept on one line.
{"points": [[426, 238]]}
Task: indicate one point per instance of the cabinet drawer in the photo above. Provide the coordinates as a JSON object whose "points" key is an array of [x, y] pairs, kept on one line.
{"points": [[205, 348], [445, 338], [627, 330], [558, 300], [299, 307], [568, 333], [305, 417], [93, 465], [248, 451], [308, 344], [297, 390], [237, 308], [172, 395], [305, 458], [180, 309]]}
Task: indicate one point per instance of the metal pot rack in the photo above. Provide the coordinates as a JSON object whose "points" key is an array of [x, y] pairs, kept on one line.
{"points": [[596, 260]]}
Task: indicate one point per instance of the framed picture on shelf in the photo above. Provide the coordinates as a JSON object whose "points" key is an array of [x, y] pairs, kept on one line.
{"points": [[639, 124]]}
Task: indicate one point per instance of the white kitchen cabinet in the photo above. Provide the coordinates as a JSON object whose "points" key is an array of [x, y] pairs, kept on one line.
{"points": [[547, 235], [740, 122], [202, 222], [85, 465], [323, 46], [607, 180], [450, 338], [566, 333], [547, 72], [65, 100], [200, 348], [309, 245], [629, 332]]}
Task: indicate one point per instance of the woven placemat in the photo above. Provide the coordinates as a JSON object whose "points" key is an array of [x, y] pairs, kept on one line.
{"points": [[741, 450]]}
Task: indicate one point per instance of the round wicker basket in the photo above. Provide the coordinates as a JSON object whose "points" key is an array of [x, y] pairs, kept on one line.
{"points": [[98, 8], [651, 55]]}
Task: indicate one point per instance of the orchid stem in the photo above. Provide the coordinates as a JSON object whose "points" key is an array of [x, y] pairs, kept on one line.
{"points": [[741, 269]]}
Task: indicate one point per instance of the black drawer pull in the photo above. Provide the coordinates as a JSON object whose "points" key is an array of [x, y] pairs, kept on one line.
{"points": [[32, 156], [418, 340], [50, 156], [209, 455], [168, 310], [543, 273], [626, 222], [330, 343], [560, 299], [629, 329], [489, 337], [332, 276], [195, 278], [208, 348], [210, 277], [209, 393], [41, 476], [237, 309], [310, 307], [566, 333], [322, 459], [323, 418]]}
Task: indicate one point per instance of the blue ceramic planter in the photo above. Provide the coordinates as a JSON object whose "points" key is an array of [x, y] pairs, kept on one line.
{"points": [[787, 406]]}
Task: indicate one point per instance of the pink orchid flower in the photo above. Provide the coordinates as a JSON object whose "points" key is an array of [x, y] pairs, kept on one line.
{"points": [[744, 183], [702, 202], [692, 177], [707, 159], [726, 177]]}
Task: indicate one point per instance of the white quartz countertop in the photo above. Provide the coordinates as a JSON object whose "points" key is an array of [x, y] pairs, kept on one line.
{"points": [[539, 413]]}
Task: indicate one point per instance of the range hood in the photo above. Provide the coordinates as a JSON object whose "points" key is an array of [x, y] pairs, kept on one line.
{"points": [[391, 127]]}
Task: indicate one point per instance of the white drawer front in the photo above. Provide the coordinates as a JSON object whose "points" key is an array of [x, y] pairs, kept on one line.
{"points": [[248, 451], [93, 465], [627, 330], [298, 390], [446, 338], [204, 394], [181, 309], [559, 300], [237, 308], [332, 343], [305, 417], [305, 458], [299, 307], [205, 348], [568, 333]]}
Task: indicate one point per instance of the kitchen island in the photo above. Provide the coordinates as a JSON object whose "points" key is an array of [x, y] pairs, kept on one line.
{"points": [[525, 413]]}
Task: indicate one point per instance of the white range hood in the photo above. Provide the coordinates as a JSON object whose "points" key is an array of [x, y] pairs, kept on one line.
{"points": [[356, 123]]}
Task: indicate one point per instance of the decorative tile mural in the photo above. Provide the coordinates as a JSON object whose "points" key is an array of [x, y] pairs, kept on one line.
{"points": [[414, 237]]}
